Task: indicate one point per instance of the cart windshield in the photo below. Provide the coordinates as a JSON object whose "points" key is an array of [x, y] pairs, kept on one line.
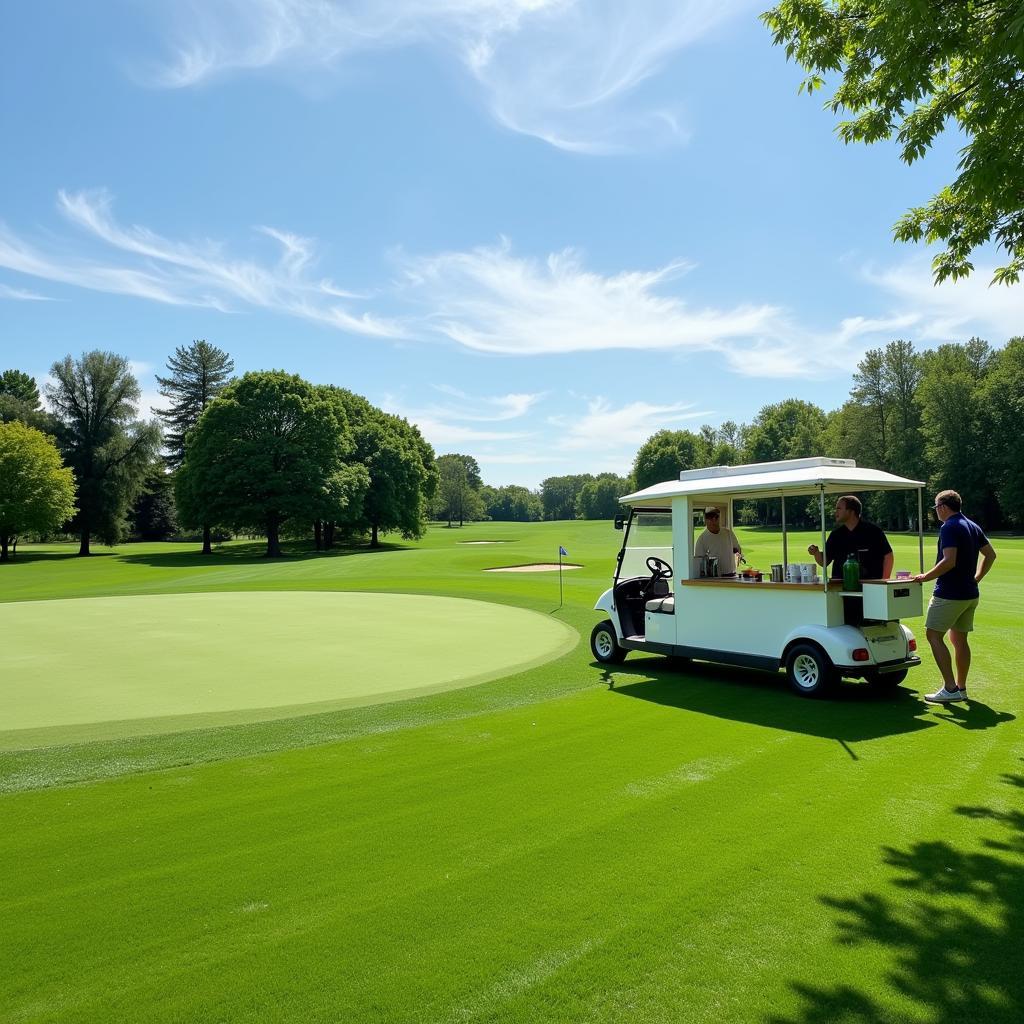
{"points": [[650, 533]]}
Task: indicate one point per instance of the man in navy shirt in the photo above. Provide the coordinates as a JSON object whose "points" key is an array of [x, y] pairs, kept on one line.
{"points": [[951, 609]]}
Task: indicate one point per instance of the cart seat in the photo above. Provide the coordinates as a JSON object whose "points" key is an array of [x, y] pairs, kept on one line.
{"points": [[666, 605]]}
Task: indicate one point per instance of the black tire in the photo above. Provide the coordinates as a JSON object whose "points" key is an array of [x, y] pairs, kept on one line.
{"points": [[886, 681], [605, 645], [810, 671]]}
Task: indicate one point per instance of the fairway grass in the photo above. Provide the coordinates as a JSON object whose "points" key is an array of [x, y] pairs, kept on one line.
{"points": [[192, 660], [566, 843]]}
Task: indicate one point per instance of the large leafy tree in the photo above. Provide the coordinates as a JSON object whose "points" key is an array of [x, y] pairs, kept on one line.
{"points": [[271, 448], [94, 400], [399, 464], [37, 491], [882, 421], [958, 450], [1003, 413], [791, 429], [599, 499], [559, 494], [458, 489], [198, 373], [664, 455], [910, 69]]}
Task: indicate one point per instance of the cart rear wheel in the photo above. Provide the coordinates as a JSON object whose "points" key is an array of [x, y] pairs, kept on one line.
{"points": [[605, 645], [810, 671]]}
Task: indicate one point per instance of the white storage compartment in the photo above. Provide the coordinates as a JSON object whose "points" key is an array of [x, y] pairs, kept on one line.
{"points": [[892, 599]]}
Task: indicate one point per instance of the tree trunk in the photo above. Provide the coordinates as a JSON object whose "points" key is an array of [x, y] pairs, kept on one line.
{"points": [[83, 547], [4, 541], [273, 539], [207, 546], [318, 534], [328, 535], [374, 543]]}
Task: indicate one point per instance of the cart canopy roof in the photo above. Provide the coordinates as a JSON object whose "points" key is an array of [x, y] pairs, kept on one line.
{"points": [[766, 479]]}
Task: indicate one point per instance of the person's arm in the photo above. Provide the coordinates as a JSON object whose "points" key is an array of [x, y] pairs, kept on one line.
{"points": [[988, 556], [941, 567], [824, 558], [887, 565]]}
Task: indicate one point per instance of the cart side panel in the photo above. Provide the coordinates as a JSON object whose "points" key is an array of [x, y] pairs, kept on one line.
{"points": [[749, 618]]}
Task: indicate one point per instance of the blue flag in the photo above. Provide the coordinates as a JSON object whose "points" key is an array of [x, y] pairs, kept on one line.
{"points": [[562, 551]]}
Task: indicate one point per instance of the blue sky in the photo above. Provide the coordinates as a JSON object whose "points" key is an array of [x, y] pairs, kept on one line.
{"points": [[541, 229]]}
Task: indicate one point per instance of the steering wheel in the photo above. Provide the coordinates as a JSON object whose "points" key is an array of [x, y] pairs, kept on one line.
{"points": [[660, 569]]}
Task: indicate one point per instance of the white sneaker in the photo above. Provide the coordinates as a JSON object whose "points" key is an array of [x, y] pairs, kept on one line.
{"points": [[945, 696]]}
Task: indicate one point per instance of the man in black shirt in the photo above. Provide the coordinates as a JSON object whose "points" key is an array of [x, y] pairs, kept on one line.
{"points": [[867, 541]]}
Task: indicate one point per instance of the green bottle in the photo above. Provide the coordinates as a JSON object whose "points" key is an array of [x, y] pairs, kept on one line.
{"points": [[851, 573]]}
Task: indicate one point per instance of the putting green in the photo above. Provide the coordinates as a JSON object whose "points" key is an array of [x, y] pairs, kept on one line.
{"points": [[106, 667]]}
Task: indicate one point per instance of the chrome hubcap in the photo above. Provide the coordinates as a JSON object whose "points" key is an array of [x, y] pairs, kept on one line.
{"points": [[806, 672]]}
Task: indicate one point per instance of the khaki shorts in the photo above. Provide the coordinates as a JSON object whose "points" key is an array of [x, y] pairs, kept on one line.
{"points": [[944, 615]]}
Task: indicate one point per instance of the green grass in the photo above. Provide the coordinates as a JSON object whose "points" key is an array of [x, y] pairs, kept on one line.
{"points": [[239, 657], [563, 844]]}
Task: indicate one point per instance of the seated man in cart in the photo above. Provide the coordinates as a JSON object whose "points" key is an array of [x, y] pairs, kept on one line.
{"points": [[854, 534], [718, 542]]}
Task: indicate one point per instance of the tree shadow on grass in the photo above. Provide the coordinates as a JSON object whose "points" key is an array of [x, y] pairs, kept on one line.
{"points": [[57, 556], [856, 712], [254, 553], [955, 933]]}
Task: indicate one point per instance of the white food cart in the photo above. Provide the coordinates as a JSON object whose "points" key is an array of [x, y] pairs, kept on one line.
{"points": [[819, 633]]}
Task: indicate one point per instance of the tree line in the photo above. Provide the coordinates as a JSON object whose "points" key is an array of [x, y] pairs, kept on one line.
{"points": [[462, 496], [272, 455], [948, 415], [266, 454]]}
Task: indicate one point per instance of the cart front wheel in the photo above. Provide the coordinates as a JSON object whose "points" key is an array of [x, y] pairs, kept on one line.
{"points": [[809, 670], [604, 644]]}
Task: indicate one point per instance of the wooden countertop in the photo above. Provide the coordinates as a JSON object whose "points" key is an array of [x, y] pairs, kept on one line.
{"points": [[726, 581], [834, 586]]}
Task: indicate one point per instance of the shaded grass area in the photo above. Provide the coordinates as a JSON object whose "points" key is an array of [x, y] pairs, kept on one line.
{"points": [[571, 843]]}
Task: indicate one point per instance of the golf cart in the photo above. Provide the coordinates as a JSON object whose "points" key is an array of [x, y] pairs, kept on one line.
{"points": [[817, 631]]}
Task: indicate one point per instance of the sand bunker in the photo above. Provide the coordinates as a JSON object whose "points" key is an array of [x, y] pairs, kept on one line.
{"points": [[483, 542], [535, 567]]}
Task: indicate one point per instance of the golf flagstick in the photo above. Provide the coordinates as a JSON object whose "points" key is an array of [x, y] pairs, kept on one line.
{"points": [[561, 551]]}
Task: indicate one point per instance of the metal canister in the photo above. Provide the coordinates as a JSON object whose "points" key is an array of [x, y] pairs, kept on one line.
{"points": [[777, 574], [712, 565]]}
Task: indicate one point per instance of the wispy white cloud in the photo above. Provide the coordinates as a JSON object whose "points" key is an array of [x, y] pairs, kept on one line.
{"points": [[445, 424], [487, 408], [21, 294], [954, 310], [488, 300], [617, 428], [567, 71], [491, 301], [139, 262]]}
